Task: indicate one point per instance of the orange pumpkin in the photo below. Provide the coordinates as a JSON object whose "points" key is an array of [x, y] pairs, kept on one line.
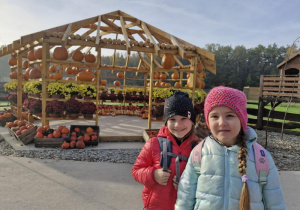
{"points": [[103, 82], [157, 83], [80, 144], [65, 145], [75, 70], [90, 58], [52, 68], [85, 76], [120, 75], [163, 76], [167, 84], [25, 77], [30, 55], [199, 67], [175, 75], [57, 76], [197, 85], [12, 61], [60, 53], [167, 61], [51, 76], [38, 53], [56, 134], [13, 75], [117, 83], [177, 84], [77, 55], [35, 73], [156, 76], [25, 64], [69, 70], [69, 78]]}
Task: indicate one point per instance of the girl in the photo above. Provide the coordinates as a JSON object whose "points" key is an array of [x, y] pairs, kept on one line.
{"points": [[160, 187], [227, 178]]}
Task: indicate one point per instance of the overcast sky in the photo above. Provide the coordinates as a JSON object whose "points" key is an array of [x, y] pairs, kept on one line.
{"points": [[224, 22]]}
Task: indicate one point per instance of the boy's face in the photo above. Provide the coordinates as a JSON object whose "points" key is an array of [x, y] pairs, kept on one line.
{"points": [[224, 125], [179, 126]]}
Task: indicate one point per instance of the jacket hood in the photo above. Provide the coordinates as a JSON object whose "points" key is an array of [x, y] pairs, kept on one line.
{"points": [[251, 136]]}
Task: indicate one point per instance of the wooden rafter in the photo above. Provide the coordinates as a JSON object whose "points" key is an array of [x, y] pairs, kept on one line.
{"points": [[147, 32], [180, 48], [66, 34], [125, 35], [111, 24], [98, 30], [144, 61]]}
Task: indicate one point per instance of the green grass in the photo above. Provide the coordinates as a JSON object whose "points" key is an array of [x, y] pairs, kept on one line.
{"points": [[293, 108], [4, 105]]}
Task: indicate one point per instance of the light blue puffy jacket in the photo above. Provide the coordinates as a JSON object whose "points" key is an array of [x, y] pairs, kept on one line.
{"points": [[219, 184]]}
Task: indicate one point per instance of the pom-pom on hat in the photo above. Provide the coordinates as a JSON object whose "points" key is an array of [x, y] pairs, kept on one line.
{"points": [[179, 104], [225, 96]]}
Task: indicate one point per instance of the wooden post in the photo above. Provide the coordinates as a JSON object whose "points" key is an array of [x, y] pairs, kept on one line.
{"points": [[19, 88], [151, 90], [260, 114], [45, 73]]}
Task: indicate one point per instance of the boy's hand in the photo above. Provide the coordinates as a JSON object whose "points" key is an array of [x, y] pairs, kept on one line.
{"points": [[175, 184], [161, 177]]}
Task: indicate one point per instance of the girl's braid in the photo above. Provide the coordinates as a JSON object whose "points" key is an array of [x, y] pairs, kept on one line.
{"points": [[243, 153]]}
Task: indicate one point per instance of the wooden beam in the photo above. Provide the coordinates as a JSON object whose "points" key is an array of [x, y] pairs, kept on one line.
{"points": [[180, 48], [66, 34], [144, 61], [125, 35], [127, 60], [149, 35], [111, 24], [98, 30]]}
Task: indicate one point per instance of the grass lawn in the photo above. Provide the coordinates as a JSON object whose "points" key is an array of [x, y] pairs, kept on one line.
{"points": [[4, 104], [293, 108]]}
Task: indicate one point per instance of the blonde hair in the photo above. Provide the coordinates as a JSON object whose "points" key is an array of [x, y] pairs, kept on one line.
{"points": [[242, 157]]}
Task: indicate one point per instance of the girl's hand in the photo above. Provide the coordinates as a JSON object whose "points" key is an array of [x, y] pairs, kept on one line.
{"points": [[161, 177], [175, 184]]}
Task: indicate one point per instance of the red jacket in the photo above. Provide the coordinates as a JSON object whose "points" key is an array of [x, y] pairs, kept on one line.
{"points": [[156, 196]]}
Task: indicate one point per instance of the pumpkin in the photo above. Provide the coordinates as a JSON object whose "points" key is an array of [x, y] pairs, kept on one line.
{"points": [[65, 145], [56, 134], [12, 61], [175, 75], [103, 82], [167, 61], [89, 70], [30, 55], [167, 84], [177, 84], [13, 75], [69, 79], [25, 77], [85, 76], [51, 76], [90, 58], [156, 76], [38, 53], [57, 76], [120, 75], [157, 83], [35, 73], [60, 53], [25, 64], [69, 70], [117, 83], [27, 71], [203, 74], [163, 76], [53, 68], [199, 67], [65, 130], [197, 85], [73, 144], [77, 55], [80, 144], [75, 70]]}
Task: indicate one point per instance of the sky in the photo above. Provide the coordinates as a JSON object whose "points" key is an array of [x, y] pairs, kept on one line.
{"points": [[225, 22]]}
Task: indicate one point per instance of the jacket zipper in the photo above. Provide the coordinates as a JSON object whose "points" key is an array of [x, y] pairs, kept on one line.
{"points": [[226, 180]]}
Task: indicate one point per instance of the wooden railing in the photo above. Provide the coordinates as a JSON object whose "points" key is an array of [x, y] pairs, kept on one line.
{"points": [[283, 87]]}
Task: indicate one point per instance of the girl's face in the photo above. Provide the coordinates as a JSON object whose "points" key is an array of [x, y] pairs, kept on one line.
{"points": [[224, 125], [179, 126]]}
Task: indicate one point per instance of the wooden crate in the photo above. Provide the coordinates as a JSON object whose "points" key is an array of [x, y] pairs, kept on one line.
{"points": [[83, 128], [48, 142], [145, 134], [26, 137]]}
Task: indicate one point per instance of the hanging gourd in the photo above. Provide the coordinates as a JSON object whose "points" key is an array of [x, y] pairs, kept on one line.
{"points": [[35, 73], [90, 58], [77, 56], [38, 53], [60, 53], [30, 55], [199, 67], [12, 61], [168, 61]]}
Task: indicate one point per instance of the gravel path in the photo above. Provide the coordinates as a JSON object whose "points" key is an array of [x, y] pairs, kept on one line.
{"points": [[286, 153]]}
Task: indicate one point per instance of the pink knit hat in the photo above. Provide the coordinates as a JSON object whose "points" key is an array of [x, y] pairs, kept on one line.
{"points": [[225, 96]]}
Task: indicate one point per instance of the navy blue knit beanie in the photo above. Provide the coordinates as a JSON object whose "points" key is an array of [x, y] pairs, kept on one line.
{"points": [[179, 104]]}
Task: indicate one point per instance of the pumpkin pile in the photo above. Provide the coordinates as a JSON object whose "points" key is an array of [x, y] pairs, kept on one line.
{"points": [[47, 132], [6, 117], [19, 126], [79, 137]]}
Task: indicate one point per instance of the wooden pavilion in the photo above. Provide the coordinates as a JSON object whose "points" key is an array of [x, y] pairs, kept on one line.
{"points": [[116, 31]]}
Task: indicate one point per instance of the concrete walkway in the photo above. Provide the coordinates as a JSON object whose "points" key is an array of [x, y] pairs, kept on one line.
{"points": [[29, 184]]}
